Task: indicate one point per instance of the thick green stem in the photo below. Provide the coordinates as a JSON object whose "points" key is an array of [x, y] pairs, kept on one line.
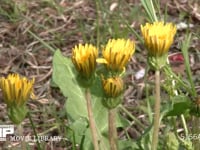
{"points": [[156, 111], [112, 128], [91, 119]]}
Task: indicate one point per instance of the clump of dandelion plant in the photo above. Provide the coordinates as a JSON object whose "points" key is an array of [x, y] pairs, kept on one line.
{"points": [[158, 38], [116, 55], [84, 60], [16, 92]]}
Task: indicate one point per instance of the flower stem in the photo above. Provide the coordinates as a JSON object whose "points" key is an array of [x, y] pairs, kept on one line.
{"points": [[112, 129], [20, 130], [35, 133], [156, 111], [91, 119]]}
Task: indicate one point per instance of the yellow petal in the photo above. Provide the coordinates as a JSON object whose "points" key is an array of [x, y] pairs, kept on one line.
{"points": [[101, 61]]}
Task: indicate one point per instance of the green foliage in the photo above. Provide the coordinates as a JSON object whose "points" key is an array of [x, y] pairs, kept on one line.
{"points": [[171, 141], [180, 105], [145, 140], [184, 48], [186, 145], [11, 10], [128, 145], [150, 10]]}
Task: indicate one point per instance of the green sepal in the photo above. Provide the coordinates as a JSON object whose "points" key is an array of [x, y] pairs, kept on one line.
{"points": [[111, 103], [85, 82], [157, 62], [17, 113]]}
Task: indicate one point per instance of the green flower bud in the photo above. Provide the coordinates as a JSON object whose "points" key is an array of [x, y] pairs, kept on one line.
{"points": [[113, 88], [16, 91], [17, 114]]}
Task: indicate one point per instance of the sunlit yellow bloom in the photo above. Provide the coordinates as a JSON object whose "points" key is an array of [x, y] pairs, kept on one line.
{"points": [[158, 37], [117, 53], [16, 90], [113, 86], [84, 59]]}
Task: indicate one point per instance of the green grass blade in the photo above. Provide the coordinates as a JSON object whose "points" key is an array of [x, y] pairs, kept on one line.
{"points": [[42, 41], [150, 10], [184, 49]]}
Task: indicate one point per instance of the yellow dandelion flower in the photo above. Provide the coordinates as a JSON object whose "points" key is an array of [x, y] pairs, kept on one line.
{"points": [[84, 59], [113, 86], [117, 53], [16, 90], [158, 37]]}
